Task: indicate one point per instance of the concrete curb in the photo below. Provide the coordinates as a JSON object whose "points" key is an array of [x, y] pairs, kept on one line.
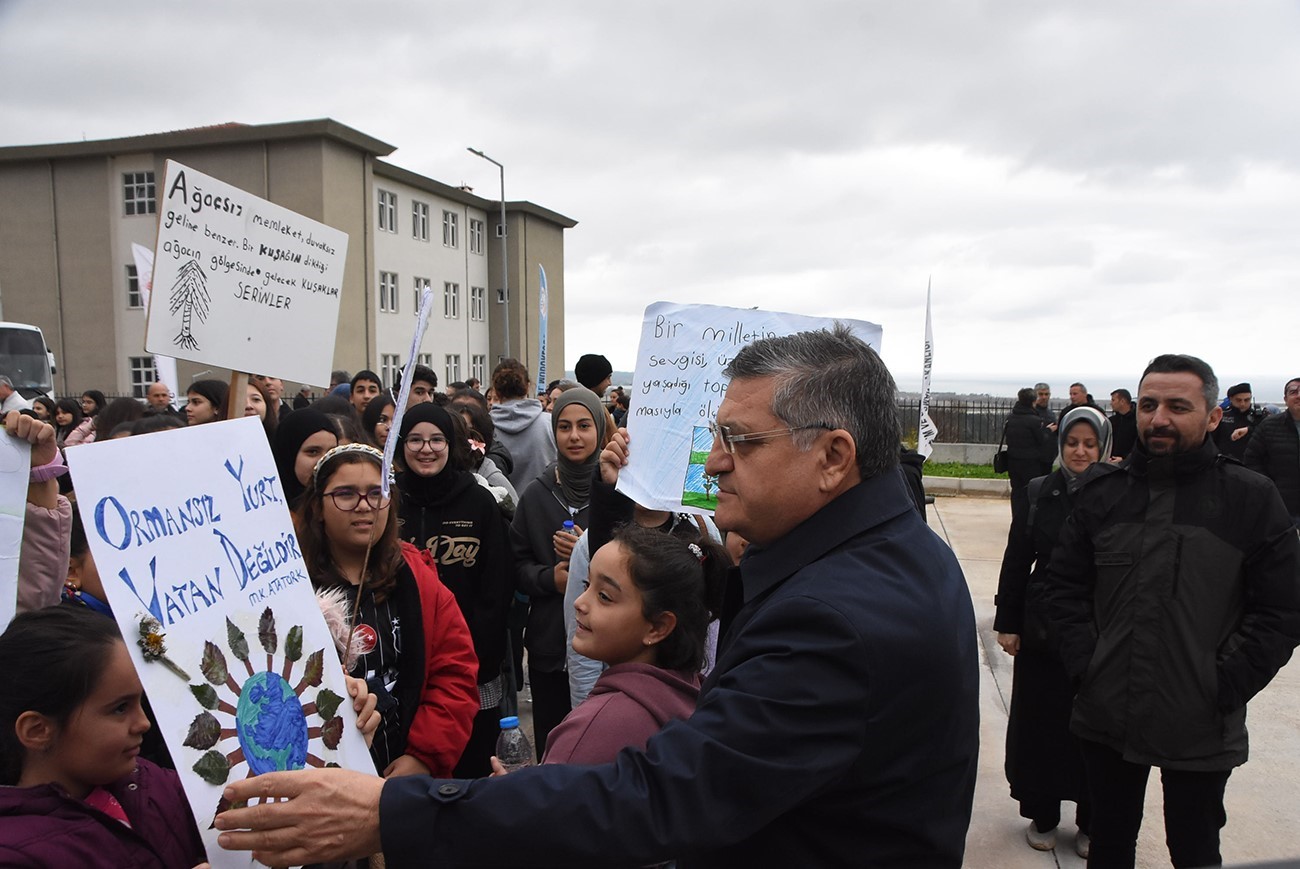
{"points": [[958, 486]]}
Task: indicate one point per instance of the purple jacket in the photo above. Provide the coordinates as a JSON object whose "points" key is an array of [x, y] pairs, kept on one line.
{"points": [[43, 826], [628, 704]]}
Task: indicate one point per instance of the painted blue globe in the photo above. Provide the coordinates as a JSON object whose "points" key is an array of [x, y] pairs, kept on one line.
{"points": [[271, 726]]}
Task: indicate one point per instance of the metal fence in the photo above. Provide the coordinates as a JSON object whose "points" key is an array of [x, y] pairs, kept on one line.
{"points": [[960, 420]]}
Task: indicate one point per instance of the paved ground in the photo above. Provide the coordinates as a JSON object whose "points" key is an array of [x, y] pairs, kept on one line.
{"points": [[1263, 799]]}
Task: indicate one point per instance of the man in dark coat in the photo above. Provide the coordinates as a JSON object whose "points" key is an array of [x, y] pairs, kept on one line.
{"points": [[1026, 434], [1043, 407], [1239, 420], [1274, 449], [839, 726], [1174, 597], [1123, 424]]}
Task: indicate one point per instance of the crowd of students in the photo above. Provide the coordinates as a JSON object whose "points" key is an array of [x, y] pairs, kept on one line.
{"points": [[466, 563]]}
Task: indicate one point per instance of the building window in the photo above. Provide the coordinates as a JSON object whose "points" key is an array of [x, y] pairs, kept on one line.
{"points": [[475, 236], [425, 359], [142, 375], [420, 220], [388, 292], [450, 229], [138, 193], [453, 368], [477, 303], [421, 284], [390, 364], [133, 297], [478, 366], [387, 211], [451, 300]]}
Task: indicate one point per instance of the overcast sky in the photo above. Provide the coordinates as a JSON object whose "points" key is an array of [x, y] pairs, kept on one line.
{"points": [[1087, 185]]}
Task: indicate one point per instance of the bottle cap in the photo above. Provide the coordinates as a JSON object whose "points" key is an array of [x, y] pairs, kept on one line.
{"points": [[568, 525], [509, 722]]}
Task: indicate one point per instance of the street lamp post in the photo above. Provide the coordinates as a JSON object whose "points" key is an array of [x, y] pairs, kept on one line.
{"points": [[505, 253]]}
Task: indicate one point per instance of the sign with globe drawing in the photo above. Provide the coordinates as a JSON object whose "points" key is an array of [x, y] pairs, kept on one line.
{"points": [[195, 546]]}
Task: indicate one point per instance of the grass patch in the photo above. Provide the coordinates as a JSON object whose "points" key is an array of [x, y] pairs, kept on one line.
{"points": [[957, 469]]}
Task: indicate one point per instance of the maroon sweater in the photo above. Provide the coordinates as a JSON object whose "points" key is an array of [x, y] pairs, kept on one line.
{"points": [[628, 704], [44, 826]]}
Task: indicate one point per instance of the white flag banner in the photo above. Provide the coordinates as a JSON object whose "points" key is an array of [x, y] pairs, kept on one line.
{"points": [[926, 431]]}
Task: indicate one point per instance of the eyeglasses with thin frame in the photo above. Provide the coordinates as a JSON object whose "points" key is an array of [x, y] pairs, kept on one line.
{"points": [[348, 499], [722, 434], [436, 444]]}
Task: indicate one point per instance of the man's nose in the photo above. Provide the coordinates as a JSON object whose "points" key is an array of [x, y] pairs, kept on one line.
{"points": [[719, 460]]}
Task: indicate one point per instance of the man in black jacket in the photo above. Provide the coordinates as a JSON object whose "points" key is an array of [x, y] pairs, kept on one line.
{"points": [[1123, 424], [1274, 449], [1239, 420], [839, 726], [1174, 597]]}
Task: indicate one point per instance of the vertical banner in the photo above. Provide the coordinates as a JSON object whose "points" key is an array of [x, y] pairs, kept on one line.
{"points": [[197, 553], [678, 386], [404, 394], [544, 303], [925, 428], [163, 366]]}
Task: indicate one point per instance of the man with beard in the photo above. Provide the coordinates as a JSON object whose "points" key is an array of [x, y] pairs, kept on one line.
{"points": [[1174, 597]]}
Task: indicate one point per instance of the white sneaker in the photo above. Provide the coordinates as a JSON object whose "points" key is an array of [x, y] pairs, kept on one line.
{"points": [[1040, 841], [1082, 844]]}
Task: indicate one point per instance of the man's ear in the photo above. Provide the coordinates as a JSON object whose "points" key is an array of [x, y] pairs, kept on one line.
{"points": [[839, 461], [1216, 416], [35, 731]]}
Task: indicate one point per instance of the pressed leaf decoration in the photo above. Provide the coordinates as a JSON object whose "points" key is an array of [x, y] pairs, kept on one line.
{"points": [[205, 730], [213, 664], [266, 631]]}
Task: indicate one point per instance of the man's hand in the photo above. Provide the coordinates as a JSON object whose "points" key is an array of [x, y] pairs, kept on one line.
{"points": [[39, 434], [1240, 433], [331, 814], [614, 457], [406, 765], [365, 704], [1010, 643], [560, 575], [564, 542]]}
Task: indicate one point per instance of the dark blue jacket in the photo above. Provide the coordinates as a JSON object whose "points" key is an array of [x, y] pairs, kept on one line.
{"points": [[840, 727]]}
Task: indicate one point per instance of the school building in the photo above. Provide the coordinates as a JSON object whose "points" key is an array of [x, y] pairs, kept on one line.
{"points": [[69, 213]]}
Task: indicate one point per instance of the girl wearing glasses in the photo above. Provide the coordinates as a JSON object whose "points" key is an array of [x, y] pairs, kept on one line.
{"points": [[542, 548], [411, 644], [451, 517]]}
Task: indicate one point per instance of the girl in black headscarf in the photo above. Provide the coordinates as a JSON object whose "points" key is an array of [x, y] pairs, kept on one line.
{"points": [[447, 514], [542, 547], [299, 442]]}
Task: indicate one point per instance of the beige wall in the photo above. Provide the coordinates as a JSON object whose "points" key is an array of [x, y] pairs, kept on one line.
{"points": [[28, 265]]}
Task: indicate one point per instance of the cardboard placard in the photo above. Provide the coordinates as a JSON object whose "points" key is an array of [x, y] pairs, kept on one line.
{"points": [[15, 467], [235, 274], [678, 386], [190, 528]]}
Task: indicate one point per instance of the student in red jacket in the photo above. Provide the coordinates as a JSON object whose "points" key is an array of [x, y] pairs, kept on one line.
{"points": [[77, 792], [412, 645]]}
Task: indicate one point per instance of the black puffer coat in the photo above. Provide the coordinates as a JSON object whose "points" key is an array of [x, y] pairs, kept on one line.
{"points": [[1274, 451], [1174, 597]]}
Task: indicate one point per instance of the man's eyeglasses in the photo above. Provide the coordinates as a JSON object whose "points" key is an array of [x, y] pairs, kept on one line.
{"points": [[722, 434], [437, 443], [348, 500]]}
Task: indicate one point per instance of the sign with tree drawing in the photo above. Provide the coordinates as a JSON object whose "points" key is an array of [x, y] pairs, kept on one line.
{"points": [[206, 580], [676, 390], [234, 274]]}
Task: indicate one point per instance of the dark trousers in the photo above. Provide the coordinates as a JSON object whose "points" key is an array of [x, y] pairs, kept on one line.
{"points": [[550, 703], [1193, 810], [1045, 812]]}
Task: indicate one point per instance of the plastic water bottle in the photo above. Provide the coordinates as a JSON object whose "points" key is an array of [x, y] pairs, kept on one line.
{"points": [[513, 748], [568, 526]]}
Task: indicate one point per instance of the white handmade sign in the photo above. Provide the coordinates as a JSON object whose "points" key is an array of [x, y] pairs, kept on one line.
{"points": [[196, 550], [234, 274], [678, 386], [15, 468]]}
